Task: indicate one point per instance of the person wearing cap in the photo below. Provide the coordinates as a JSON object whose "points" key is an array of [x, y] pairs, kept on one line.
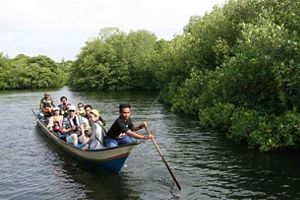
{"points": [[87, 109], [55, 122], [72, 126], [97, 134], [123, 131], [47, 99]]}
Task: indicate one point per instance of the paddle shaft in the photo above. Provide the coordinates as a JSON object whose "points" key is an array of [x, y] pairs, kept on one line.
{"points": [[163, 159]]}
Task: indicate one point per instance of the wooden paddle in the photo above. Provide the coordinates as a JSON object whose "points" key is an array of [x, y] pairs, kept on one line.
{"points": [[163, 159]]}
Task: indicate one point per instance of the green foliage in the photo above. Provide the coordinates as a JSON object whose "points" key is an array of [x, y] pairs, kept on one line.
{"points": [[266, 132], [287, 130], [116, 61], [248, 78], [238, 69], [186, 98], [219, 116], [244, 122], [5, 75], [30, 72]]}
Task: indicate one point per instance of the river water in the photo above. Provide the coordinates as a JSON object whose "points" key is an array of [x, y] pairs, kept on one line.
{"points": [[204, 162]]}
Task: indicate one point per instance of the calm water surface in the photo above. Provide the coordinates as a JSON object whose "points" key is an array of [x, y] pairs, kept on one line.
{"points": [[205, 163]]}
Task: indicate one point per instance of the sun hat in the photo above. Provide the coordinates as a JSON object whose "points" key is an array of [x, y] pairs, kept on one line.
{"points": [[95, 112], [56, 108], [72, 107]]}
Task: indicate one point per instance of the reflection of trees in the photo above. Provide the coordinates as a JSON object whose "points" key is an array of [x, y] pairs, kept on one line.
{"points": [[211, 165]]}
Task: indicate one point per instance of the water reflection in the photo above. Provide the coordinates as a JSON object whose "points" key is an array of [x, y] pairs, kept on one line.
{"points": [[91, 183], [204, 162]]}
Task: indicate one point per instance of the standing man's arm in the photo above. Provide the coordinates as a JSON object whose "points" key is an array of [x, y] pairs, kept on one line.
{"points": [[52, 102]]}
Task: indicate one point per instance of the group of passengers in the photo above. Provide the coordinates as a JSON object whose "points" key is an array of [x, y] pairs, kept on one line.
{"points": [[83, 126]]}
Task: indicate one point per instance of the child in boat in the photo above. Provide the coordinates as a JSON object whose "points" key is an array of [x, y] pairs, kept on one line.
{"points": [[55, 122], [45, 113]]}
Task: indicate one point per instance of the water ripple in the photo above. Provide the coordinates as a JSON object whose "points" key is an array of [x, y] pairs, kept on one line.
{"points": [[205, 163]]}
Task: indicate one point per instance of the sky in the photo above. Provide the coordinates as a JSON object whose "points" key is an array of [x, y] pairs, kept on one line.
{"points": [[60, 28]]}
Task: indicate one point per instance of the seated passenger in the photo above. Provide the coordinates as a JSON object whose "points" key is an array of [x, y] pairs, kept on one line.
{"points": [[81, 109], [66, 110], [97, 135], [63, 105], [88, 109], [55, 122], [71, 126], [46, 113], [85, 137]]}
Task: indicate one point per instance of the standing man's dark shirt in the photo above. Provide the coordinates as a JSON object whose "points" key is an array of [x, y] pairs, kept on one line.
{"points": [[118, 127]]}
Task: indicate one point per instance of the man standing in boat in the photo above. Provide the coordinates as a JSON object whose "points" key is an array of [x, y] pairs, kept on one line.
{"points": [[122, 131], [47, 99]]}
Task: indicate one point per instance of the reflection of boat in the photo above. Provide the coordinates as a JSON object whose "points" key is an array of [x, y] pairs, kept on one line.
{"points": [[108, 158]]}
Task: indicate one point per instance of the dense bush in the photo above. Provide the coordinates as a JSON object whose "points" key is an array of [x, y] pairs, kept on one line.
{"points": [[238, 69], [287, 129], [24, 72], [218, 116], [116, 61], [244, 123]]}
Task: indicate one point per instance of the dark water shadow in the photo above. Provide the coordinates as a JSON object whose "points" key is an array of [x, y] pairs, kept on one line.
{"points": [[94, 182], [232, 170]]}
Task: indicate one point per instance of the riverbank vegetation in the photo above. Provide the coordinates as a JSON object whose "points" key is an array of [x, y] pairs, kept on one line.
{"points": [[236, 68], [24, 72]]}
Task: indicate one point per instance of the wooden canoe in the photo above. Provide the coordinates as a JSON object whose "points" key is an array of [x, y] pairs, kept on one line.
{"points": [[111, 159]]}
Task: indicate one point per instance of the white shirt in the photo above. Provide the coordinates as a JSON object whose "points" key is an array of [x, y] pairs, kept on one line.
{"points": [[96, 136]]}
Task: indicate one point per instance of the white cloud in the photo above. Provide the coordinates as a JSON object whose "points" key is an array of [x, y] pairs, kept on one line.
{"points": [[58, 28]]}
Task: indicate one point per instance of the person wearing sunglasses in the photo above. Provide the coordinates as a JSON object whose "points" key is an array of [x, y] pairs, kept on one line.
{"points": [[72, 126]]}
